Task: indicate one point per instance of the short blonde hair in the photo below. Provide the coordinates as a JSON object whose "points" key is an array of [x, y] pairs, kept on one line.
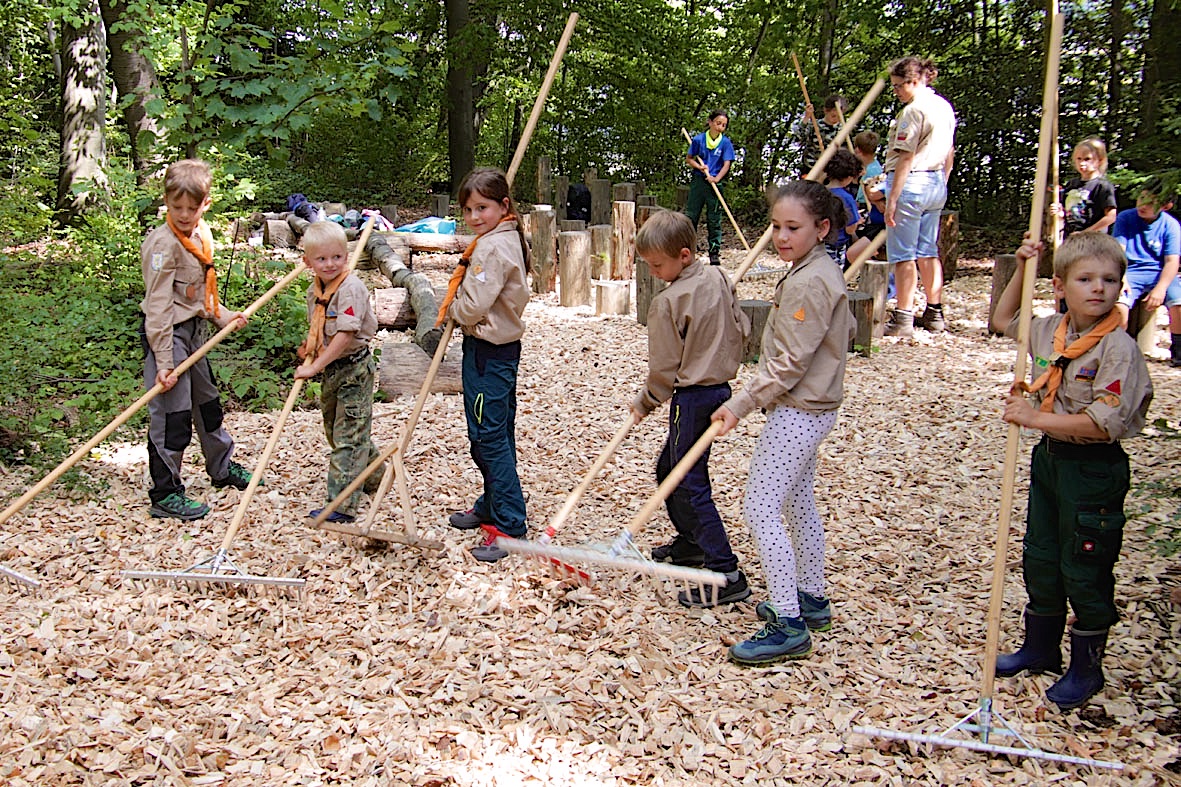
{"points": [[666, 231], [1088, 245], [1097, 149], [189, 177], [324, 233]]}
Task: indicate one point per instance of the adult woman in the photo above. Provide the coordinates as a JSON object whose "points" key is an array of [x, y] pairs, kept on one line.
{"points": [[919, 159]]}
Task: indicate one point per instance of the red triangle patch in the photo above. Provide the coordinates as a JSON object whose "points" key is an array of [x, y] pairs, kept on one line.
{"points": [[1114, 387], [349, 311]]}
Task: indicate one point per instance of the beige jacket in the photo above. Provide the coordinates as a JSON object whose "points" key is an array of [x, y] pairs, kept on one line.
{"points": [[806, 341], [174, 289], [348, 310], [495, 290], [924, 127], [696, 333]]}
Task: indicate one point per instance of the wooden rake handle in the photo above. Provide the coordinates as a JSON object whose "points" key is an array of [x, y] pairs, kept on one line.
{"points": [[675, 476], [864, 256], [539, 104], [139, 403], [804, 88], [596, 468], [1013, 438], [848, 141], [721, 199]]}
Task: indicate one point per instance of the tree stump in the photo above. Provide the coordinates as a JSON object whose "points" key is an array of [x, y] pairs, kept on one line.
{"points": [[623, 192], [394, 310], [643, 200], [600, 250], [861, 304], [623, 240], [682, 197], [404, 367], [600, 190], [574, 281], [949, 242], [643, 213], [277, 234], [612, 297], [757, 311], [1002, 270], [441, 205], [545, 232], [875, 282], [571, 225], [545, 187], [647, 288], [561, 196]]}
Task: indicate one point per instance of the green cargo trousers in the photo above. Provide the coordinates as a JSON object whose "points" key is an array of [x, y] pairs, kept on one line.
{"points": [[346, 402]]}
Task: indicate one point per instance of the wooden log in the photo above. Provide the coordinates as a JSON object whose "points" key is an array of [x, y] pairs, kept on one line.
{"points": [[331, 208], [422, 297], [441, 205], [430, 242], [612, 297], [561, 196], [1142, 325], [641, 186], [862, 306], [643, 200], [623, 240], [647, 288], [574, 281], [949, 242], [643, 213], [298, 226], [240, 230], [874, 281], [623, 192], [600, 250], [758, 312], [589, 174], [682, 197], [404, 367], [1003, 269], [394, 310], [600, 191], [544, 250], [545, 186], [277, 234], [571, 225]]}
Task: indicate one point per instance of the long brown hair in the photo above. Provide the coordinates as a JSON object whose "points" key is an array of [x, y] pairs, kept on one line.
{"points": [[491, 183]]}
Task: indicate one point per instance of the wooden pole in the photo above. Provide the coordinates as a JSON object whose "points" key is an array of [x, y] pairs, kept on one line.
{"points": [[580, 490], [721, 199], [804, 87], [848, 138], [539, 104]]}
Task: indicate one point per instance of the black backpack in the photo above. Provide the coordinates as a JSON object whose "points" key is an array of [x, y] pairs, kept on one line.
{"points": [[578, 202]]}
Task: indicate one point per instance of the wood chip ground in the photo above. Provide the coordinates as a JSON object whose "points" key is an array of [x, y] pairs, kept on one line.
{"points": [[404, 667]]}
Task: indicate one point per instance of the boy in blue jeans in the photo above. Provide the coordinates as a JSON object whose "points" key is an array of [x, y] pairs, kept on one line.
{"points": [[1152, 242], [696, 334]]}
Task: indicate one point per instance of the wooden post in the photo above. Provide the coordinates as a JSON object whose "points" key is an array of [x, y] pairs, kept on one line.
{"points": [[682, 198], [643, 213], [647, 288], [949, 242], [574, 287], [571, 225], [623, 192], [441, 205], [1142, 325], [545, 232], [545, 185], [600, 250], [1002, 270], [561, 196], [875, 282], [612, 297], [623, 240], [591, 173], [644, 200], [600, 190], [861, 304], [757, 311]]}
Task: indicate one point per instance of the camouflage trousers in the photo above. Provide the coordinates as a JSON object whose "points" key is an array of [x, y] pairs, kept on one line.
{"points": [[346, 402]]}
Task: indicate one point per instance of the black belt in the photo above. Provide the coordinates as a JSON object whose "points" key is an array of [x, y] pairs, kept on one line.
{"points": [[348, 360], [1083, 451]]}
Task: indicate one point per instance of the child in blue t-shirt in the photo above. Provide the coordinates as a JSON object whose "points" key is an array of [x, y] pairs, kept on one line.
{"points": [[841, 170], [710, 154], [1152, 241]]}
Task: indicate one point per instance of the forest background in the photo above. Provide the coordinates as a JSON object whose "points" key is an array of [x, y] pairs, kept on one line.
{"points": [[375, 103]]}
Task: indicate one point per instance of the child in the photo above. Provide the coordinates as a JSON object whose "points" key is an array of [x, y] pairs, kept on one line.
{"points": [[488, 307], [341, 325], [696, 335], [830, 125], [841, 170], [180, 287], [1096, 393], [710, 155], [865, 147], [1088, 201], [1152, 240], [800, 383]]}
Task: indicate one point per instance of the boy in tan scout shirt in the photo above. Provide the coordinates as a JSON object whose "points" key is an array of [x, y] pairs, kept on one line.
{"points": [[180, 293], [1091, 389], [696, 333], [341, 325]]}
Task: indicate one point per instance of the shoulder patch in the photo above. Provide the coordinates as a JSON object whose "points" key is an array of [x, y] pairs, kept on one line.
{"points": [[349, 311], [478, 271], [157, 261], [1114, 387], [799, 315]]}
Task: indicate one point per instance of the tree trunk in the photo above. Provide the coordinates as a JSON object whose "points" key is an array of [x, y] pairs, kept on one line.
{"points": [[1163, 47], [461, 106], [82, 181], [134, 77], [1119, 29]]}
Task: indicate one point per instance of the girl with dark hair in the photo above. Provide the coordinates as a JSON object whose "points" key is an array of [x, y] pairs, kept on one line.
{"points": [[710, 155]]}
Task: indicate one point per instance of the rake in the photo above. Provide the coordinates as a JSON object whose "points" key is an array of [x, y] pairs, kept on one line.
{"points": [[19, 580], [83, 451], [623, 554], [986, 721], [721, 199]]}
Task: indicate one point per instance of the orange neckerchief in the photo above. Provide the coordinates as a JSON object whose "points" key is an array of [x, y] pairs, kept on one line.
{"points": [[461, 269], [323, 296], [204, 255], [1051, 379]]}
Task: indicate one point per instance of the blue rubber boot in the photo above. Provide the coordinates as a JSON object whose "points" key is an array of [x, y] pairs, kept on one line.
{"points": [[1042, 649], [780, 638], [1084, 679]]}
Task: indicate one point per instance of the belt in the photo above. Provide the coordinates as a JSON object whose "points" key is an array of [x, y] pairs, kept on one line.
{"points": [[1083, 451], [348, 360]]}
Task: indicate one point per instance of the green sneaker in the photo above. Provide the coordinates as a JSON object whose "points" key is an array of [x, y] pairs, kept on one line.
{"points": [[238, 477], [177, 506]]}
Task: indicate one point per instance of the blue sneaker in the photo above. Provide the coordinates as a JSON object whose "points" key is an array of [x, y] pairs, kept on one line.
{"points": [[816, 610], [335, 516], [780, 638]]}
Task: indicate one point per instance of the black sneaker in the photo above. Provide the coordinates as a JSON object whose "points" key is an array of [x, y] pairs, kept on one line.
{"points": [[177, 506], [238, 477], [466, 520], [680, 552], [335, 516], [729, 593]]}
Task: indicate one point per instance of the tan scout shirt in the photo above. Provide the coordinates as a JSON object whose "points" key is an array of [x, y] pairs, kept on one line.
{"points": [[495, 290], [1109, 382], [348, 310], [925, 127], [696, 333], [802, 364], [174, 289]]}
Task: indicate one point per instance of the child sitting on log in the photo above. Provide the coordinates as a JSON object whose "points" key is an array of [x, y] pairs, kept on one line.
{"points": [[1091, 389], [696, 336]]}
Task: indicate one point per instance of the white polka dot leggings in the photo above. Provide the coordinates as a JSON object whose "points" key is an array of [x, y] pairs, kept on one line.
{"points": [[782, 472]]}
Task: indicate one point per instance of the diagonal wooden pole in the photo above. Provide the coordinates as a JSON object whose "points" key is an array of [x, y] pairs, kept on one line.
{"points": [[804, 88]]}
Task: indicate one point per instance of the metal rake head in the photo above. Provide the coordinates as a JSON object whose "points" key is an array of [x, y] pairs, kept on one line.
{"points": [[218, 572], [21, 582]]}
